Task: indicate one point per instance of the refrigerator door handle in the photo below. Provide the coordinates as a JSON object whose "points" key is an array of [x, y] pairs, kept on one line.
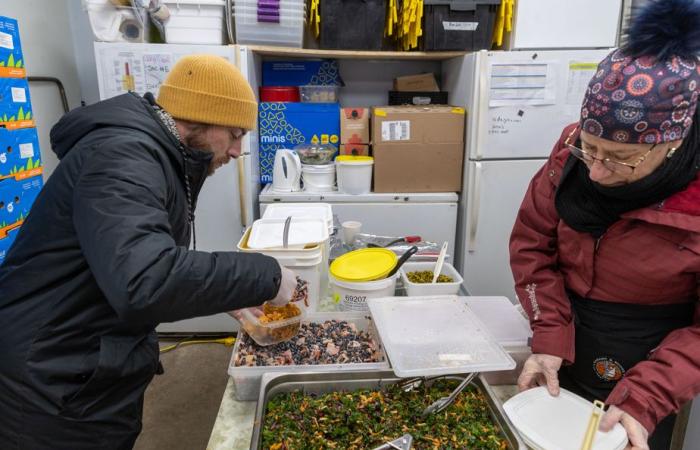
{"points": [[474, 207]]}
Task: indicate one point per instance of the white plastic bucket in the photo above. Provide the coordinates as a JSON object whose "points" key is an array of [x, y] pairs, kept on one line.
{"points": [[318, 178], [195, 22], [352, 296], [354, 177]]}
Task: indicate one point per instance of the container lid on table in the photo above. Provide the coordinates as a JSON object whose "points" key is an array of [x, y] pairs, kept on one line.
{"points": [[435, 335], [269, 233], [547, 422], [321, 211], [366, 264]]}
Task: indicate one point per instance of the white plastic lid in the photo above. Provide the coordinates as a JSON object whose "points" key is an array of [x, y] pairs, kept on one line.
{"points": [[502, 318], [558, 423], [435, 335], [321, 211], [269, 233]]}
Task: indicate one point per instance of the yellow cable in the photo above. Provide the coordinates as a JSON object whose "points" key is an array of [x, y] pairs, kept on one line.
{"points": [[227, 341]]}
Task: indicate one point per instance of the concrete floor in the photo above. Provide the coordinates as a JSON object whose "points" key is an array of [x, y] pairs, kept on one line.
{"points": [[181, 405]]}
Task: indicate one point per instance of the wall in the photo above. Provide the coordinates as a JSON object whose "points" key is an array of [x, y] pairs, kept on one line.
{"points": [[47, 43]]}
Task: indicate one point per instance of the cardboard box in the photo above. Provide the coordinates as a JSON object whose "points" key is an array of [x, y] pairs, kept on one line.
{"points": [[20, 157], [418, 149], [354, 149], [11, 57], [16, 199], [286, 125], [15, 104], [300, 73], [424, 82], [354, 126]]}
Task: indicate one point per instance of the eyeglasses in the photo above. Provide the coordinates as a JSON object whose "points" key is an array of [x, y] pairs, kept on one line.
{"points": [[620, 167]]}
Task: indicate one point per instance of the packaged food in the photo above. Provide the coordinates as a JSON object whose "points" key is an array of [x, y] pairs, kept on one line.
{"points": [[318, 94]]}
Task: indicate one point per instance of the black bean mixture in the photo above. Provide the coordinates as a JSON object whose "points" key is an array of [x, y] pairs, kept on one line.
{"points": [[330, 342]]}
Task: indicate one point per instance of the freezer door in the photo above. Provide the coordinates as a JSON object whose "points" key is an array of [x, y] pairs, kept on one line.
{"points": [[521, 101], [486, 217]]}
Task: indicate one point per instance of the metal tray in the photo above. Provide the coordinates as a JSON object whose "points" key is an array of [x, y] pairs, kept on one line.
{"points": [[321, 383]]}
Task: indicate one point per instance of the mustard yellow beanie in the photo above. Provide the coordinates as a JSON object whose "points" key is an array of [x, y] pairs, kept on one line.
{"points": [[208, 89]]}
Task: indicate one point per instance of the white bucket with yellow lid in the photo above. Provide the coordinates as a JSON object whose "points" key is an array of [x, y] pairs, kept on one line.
{"points": [[362, 274]]}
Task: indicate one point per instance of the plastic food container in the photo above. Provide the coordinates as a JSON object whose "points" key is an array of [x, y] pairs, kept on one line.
{"points": [[195, 22], [316, 154], [318, 94], [247, 379], [279, 94], [354, 174], [318, 178], [270, 332], [418, 289]]}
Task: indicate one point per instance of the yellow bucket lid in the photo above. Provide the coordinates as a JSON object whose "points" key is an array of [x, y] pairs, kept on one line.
{"points": [[366, 264], [354, 159]]}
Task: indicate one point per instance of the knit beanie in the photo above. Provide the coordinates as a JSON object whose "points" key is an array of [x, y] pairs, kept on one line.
{"points": [[208, 89], [646, 92]]}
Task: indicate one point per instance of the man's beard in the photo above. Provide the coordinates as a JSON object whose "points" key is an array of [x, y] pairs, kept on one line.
{"points": [[196, 140]]}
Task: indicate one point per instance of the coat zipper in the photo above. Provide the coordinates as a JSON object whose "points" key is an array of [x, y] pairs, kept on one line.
{"points": [[597, 243]]}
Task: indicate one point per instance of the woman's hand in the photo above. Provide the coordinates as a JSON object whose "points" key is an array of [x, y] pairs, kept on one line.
{"points": [[540, 370], [637, 434]]}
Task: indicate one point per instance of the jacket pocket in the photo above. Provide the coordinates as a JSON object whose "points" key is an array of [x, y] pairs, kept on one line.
{"points": [[124, 367]]}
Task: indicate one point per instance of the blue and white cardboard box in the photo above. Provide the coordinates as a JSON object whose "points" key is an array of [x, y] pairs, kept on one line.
{"points": [[11, 57], [15, 103], [301, 73], [286, 125], [6, 243], [16, 200], [19, 153]]}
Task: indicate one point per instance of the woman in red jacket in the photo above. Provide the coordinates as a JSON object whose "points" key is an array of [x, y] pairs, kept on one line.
{"points": [[605, 250]]}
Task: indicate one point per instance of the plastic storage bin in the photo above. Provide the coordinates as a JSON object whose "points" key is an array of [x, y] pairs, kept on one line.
{"points": [[195, 22], [111, 23], [418, 289], [246, 380], [354, 174], [352, 24], [274, 23], [318, 94], [459, 24]]}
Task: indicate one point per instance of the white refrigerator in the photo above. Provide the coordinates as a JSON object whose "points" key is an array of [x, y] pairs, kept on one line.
{"points": [[517, 105]]}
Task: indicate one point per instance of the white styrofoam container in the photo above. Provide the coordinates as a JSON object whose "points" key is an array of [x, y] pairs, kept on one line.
{"points": [[311, 210], [418, 289], [246, 380], [268, 234], [195, 22]]}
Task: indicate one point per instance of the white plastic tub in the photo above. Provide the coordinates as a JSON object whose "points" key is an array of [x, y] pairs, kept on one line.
{"points": [[354, 174], [247, 379], [195, 22], [421, 289], [318, 178], [352, 296]]}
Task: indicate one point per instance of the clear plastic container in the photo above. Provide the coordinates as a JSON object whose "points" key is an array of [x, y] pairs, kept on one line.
{"points": [[269, 333], [287, 32], [318, 94], [246, 380], [417, 289], [316, 154]]}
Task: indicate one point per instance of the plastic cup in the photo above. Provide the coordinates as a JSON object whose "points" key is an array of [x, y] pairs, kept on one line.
{"points": [[350, 230]]}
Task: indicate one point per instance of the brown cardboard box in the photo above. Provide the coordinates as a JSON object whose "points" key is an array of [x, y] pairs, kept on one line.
{"points": [[418, 149], [354, 149], [424, 82], [354, 126]]}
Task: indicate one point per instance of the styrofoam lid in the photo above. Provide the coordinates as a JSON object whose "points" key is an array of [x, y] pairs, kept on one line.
{"points": [[269, 233], [558, 423], [435, 335], [300, 210], [502, 318]]}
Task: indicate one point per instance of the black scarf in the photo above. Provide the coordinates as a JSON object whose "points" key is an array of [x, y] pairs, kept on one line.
{"points": [[588, 207]]}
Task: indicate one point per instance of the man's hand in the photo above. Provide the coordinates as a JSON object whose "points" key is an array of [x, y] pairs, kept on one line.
{"points": [[288, 286], [540, 370], [637, 434]]}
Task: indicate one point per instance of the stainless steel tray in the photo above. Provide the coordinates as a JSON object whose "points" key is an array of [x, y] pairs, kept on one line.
{"points": [[321, 383]]}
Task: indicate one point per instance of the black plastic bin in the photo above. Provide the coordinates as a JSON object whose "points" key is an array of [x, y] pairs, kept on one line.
{"points": [[459, 24], [417, 98], [352, 24]]}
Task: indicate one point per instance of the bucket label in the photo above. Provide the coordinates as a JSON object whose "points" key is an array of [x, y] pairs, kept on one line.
{"points": [[396, 130], [460, 26], [354, 303]]}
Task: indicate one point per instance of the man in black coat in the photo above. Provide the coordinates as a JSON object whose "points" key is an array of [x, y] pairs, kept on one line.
{"points": [[104, 257]]}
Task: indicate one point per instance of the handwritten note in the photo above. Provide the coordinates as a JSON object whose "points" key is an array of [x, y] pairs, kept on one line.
{"points": [[156, 67], [503, 125]]}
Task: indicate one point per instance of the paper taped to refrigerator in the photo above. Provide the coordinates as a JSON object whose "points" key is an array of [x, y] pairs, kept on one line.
{"points": [[522, 84], [580, 74]]}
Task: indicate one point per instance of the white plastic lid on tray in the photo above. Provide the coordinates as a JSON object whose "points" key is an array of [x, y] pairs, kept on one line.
{"points": [[435, 335], [558, 423], [269, 233], [506, 323], [321, 211]]}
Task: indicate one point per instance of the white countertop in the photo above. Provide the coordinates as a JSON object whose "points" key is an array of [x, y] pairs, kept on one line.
{"points": [[268, 196]]}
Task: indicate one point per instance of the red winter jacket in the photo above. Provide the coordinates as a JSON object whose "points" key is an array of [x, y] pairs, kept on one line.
{"points": [[651, 256]]}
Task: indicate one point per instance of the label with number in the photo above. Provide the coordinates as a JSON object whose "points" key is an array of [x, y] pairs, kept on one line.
{"points": [[396, 130]]}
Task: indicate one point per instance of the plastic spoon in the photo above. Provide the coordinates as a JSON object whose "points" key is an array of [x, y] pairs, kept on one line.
{"points": [[440, 262], [410, 252]]}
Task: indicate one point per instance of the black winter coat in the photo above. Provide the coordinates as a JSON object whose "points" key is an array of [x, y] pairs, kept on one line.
{"points": [[99, 262]]}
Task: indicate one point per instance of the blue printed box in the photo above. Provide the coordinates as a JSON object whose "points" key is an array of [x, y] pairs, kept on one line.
{"points": [[16, 199], [286, 125], [11, 58], [6, 243], [15, 104], [301, 73], [20, 157]]}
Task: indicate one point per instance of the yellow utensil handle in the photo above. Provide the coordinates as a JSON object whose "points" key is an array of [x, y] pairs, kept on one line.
{"points": [[593, 423]]}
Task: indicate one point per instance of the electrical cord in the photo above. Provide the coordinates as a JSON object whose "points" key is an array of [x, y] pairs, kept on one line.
{"points": [[227, 341]]}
